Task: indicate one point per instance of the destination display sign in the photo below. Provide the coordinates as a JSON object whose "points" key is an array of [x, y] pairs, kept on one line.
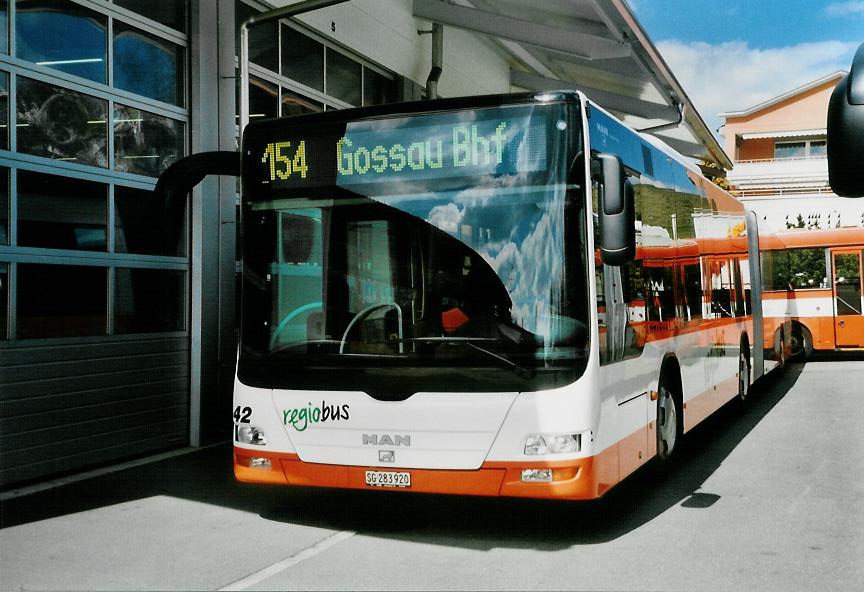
{"points": [[495, 141]]}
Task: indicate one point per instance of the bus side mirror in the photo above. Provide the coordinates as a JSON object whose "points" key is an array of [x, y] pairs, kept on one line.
{"points": [[616, 212], [846, 132]]}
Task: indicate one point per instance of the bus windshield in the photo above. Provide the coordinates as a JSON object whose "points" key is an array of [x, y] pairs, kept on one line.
{"points": [[427, 252]]}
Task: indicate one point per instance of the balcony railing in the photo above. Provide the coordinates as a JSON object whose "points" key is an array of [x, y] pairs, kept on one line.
{"points": [[771, 160], [781, 192]]}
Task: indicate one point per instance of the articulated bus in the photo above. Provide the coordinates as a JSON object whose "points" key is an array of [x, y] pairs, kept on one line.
{"points": [[511, 295], [812, 279]]}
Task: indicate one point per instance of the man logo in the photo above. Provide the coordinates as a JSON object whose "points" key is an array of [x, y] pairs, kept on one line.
{"points": [[386, 440]]}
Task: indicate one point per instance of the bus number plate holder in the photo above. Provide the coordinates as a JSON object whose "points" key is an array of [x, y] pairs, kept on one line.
{"points": [[388, 479]]}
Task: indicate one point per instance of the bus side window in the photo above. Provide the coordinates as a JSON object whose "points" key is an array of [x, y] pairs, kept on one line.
{"points": [[738, 288], [693, 290], [744, 265], [633, 285], [602, 329], [721, 288], [661, 302]]}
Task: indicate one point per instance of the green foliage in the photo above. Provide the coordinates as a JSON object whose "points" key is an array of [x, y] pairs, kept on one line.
{"points": [[795, 269]]}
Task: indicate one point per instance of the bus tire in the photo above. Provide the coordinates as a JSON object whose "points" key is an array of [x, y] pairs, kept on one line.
{"points": [[744, 371], [669, 417], [802, 343]]}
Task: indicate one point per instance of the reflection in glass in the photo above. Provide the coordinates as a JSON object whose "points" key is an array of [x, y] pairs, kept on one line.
{"points": [[138, 224], [263, 99], [790, 150], [4, 26], [171, 13], [294, 104], [377, 88], [147, 65], [59, 123], [144, 143], [62, 35], [61, 213], [4, 206], [344, 78], [149, 301], [263, 38], [462, 272], [4, 111], [4, 301], [80, 312], [819, 148], [302, 59]]}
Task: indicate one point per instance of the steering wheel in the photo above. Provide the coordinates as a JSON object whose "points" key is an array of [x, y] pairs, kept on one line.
{"points": [[290, 317], [365, 313]]}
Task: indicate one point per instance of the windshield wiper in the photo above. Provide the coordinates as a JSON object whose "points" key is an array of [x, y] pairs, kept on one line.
{"points": [[520, 371]]}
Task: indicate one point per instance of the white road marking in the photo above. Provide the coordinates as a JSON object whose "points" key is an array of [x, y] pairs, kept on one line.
{"points": [[307, 553]]}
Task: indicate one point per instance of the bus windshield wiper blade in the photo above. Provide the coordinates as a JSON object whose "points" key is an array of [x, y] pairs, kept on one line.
{"points": [[472, 342]]}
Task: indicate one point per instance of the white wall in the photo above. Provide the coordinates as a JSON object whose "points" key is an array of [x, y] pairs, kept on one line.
{"points": [[385, 32], [773, 211]]}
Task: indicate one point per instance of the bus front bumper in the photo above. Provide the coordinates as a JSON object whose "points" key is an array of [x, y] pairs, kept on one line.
{"points": [[571, 479]]}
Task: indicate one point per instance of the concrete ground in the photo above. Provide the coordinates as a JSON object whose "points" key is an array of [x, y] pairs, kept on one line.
{"points": [[768, 496]]}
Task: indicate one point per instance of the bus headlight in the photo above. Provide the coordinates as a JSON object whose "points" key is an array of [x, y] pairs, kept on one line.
{"points": [[537, 444], [251, 435]]}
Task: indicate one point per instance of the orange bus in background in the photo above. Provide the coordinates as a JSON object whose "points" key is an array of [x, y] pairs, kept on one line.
{"points": [[813, 278]]}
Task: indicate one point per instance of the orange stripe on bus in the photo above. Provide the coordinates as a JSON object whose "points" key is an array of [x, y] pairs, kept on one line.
{"points": [[585, 478]]}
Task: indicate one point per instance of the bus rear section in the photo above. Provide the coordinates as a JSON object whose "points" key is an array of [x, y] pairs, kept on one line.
{"points": [[423, 309], [813, 290]]}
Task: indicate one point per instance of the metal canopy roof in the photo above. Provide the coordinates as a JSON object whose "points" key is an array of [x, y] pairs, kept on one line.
{"points": [[596, 46]]}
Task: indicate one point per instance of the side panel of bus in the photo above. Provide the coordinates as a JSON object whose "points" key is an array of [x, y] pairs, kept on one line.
{"points": [[684, 301]]}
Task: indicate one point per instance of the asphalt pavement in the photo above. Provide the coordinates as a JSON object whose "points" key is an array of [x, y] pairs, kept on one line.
{"points": [[767, 496]]}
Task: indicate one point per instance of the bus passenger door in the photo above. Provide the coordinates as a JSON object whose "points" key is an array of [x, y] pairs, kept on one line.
{"points": [[848, 317]]}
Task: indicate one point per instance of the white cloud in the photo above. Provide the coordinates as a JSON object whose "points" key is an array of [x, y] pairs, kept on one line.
{"points": [[732, 76], [844, 8]]}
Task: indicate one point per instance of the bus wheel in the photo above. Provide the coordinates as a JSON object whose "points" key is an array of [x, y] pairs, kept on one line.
{"points": [[802, 343], [667, 422], [743, 374]]}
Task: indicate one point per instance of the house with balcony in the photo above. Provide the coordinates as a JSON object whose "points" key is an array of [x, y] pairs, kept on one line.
{"points": [[780, 170]]}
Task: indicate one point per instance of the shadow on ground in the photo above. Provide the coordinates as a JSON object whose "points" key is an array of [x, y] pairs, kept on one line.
{"points": [[206, 476]]}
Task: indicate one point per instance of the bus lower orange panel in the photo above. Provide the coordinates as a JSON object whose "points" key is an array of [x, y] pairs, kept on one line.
{"points": [[574, 479]]}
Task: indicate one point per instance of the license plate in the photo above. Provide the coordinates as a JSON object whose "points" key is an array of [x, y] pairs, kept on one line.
{"points": [[388, 479]]}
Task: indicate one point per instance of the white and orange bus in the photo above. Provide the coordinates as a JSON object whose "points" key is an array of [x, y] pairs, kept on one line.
{"points": [[512, 295], [812, 279]]}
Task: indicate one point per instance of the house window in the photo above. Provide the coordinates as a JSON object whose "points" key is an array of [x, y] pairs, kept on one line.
{"points": [[800, 149]]}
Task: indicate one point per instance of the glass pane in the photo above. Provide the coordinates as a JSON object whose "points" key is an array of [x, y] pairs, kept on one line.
{"points": [[149, 301], [302, 59], [81, 311], [294, 104], [343, 77], [59, 123], [171, 13], [61, 213], [139, 223], [4, 111], [263, 99], [4, 206], [62, 35], [144, 143], [263, 38], [847, 282], [377, 89], [790, 150], [4, 301], [147, 65], [819, 148], [4, 26]]}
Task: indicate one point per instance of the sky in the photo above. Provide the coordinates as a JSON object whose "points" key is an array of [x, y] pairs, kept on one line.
{"points": [[733, 54]]}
